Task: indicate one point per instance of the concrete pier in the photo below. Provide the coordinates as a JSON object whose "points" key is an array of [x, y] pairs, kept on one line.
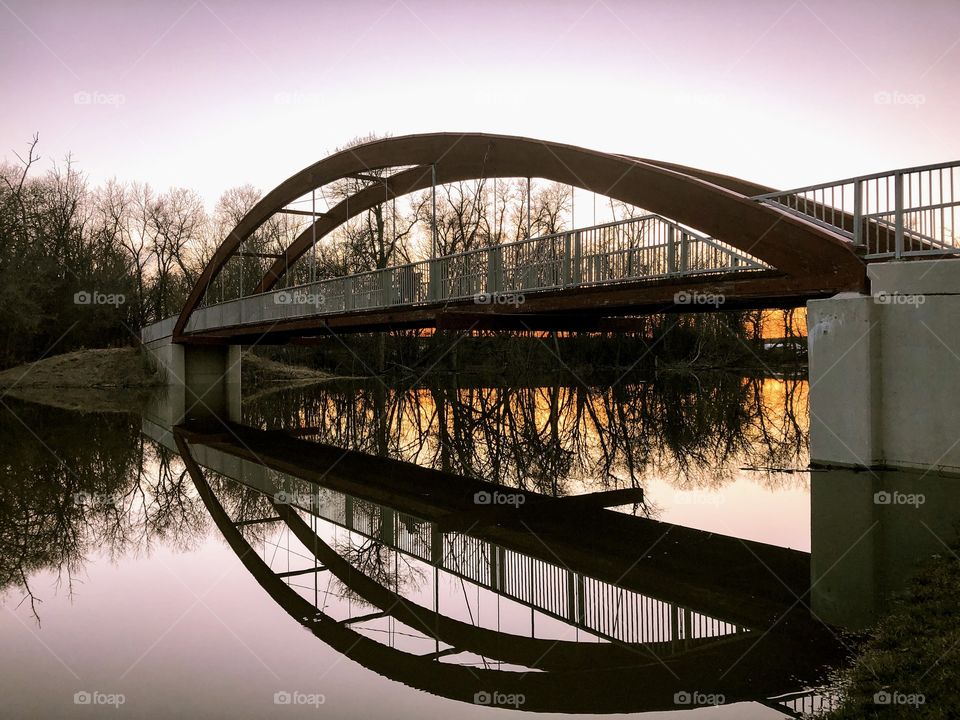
{"points": [[885, 369], [207, 376]]}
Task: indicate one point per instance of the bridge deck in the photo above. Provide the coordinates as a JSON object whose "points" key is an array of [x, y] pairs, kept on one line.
{"points": [[594, 308]]}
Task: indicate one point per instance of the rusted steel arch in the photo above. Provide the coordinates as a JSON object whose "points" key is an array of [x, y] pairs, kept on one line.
{"points": [[737, 185], [421, 178], [788, 243]]}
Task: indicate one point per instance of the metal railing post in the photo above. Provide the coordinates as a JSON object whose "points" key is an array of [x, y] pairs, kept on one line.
{"points": [[494, 269], [434, 272], [348, 299], [671, 251], [567, 269], [386, 285], [581, 599], [494, 569], [684, 253], [898, 213], [388, 527], [436, 545], [857, 212], [577, 274]]}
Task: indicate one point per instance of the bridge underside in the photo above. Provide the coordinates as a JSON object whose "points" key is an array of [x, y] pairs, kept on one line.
{"points": [[590, 309]]}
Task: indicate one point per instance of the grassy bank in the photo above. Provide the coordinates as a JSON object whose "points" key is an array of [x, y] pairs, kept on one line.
{"points": [[99, 368], [909, 664]]}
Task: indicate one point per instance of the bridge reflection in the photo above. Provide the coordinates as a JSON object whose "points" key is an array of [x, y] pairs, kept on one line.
{"points": [[653, 609]]}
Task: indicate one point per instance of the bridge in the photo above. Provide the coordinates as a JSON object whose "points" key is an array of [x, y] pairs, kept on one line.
{"points": [[699, 232], [692, 236]]}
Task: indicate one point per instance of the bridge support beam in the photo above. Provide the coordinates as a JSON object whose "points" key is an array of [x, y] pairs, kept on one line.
{"points": [[207, 376], [885, 369]]}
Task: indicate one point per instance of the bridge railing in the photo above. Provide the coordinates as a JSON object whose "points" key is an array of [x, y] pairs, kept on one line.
{"points": [[649, 246], [810, 703], [900, 213], [646, 247]]}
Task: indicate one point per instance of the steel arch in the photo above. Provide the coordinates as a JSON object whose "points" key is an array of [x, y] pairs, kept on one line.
{"points": [[716, 204]]}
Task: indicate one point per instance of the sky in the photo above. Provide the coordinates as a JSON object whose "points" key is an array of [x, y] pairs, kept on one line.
{"points": [[210, 94]]}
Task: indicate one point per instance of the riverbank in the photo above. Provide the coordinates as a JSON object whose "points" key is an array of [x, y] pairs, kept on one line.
{"points": [[95, 368], [909, 664], [118, 379]]}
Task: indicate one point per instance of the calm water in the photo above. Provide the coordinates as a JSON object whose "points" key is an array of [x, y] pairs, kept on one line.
{"points": [[255, 568]]}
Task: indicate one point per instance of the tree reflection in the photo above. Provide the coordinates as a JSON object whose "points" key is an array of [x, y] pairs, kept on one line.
{"points": [[371, 553], [696, 430], [75, 485]]}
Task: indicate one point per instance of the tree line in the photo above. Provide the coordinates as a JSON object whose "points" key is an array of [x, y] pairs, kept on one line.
{"points": [[88, 266]]}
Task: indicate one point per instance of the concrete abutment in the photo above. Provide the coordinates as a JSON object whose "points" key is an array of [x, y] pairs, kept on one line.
{"points": [[885, 370]]}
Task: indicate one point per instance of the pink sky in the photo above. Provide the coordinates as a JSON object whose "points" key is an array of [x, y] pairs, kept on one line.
{"points": [[212, 94]]}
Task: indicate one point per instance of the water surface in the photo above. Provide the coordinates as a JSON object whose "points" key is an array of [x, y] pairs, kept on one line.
{"points": [[332, 552]]}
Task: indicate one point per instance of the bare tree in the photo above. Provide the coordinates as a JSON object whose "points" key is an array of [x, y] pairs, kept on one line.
{"points": [[176, 220], [378, 237]]}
